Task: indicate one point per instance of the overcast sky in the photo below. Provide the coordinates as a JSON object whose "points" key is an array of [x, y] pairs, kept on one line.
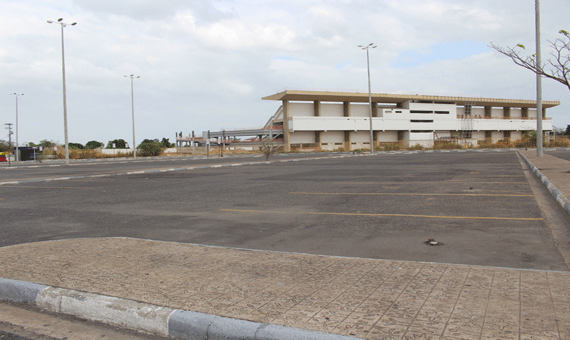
{"points": [[206, 64]]}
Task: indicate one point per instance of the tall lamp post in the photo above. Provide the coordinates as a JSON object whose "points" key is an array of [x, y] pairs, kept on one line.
{"points": [[538, 83], [62, 24], [132, 76], [371, 45], [17, 145]]}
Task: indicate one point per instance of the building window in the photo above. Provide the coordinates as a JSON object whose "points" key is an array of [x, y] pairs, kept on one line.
{"points": [[421, 121], [442, 112], [421, 131], [420, 111]]}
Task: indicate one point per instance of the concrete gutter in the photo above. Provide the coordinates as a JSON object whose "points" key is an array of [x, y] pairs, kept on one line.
{"points": [[557, 194], [147, 318]]}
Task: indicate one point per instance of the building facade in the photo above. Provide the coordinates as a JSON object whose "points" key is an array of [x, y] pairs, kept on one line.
{"points": [[334, 120]]}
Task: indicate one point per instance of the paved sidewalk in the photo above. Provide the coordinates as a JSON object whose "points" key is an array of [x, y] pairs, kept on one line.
{"points": [[556, 169], [366, 298]]}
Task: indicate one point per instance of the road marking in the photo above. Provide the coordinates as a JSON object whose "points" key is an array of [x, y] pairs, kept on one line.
{"points": [[393, 215], [401, 194], [36, 187], [416, 182], [466, 181]]}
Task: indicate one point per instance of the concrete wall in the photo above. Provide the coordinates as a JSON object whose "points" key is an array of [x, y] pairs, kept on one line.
{"points": [[302, 109], [332, 137], [359, 110], [331, 110], [516, 135], [360, 136], [302, 137], [516, 112], [115, 151], [497, 135], [387, 136], [479, 135]]}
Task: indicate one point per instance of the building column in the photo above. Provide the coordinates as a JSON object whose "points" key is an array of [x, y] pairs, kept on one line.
{"points": [[375, 138], [506, 112], [347, 143], [286, 135], [374, 109], [488, 110], [524, 112], [317, 108], [318, 138], [346, 109], [543, 112]]}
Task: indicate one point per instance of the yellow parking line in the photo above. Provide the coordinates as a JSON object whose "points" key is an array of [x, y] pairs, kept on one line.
{"points": [[466, 181], [421, 182], [402, 194], [392, 215]]}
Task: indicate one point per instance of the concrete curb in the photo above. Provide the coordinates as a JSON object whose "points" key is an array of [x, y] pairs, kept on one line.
{"points": [[147, 318], [557, 194]]}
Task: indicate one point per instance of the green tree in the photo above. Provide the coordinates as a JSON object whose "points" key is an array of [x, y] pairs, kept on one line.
{"points": [[119, 144], [567, 133], [77, 146], [94, 144], [4, 146], [150, 147], [166, 143], [557, 68], [47, 143]]}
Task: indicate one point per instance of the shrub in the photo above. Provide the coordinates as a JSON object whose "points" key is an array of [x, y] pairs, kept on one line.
{"points": [[446, 145], [416, 147], [150, 148], [389, 147], [559, 143], [119, 144], [94, 144]]}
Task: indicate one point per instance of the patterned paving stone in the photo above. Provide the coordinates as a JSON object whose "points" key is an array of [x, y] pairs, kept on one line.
{"points": [[370, 299]]}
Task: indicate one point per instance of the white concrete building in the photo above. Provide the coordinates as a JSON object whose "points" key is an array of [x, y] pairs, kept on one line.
{"points": [[333, 120]]}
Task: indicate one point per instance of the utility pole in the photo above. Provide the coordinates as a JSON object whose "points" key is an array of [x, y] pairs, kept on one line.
{"points": [[132, 76], [62, 24], [208, 145], [371, 45], [17, 144], [9, 128], [538, 83]]}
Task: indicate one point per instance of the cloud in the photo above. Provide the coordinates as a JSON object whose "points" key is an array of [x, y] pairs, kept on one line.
{"points": [[206, 64]]}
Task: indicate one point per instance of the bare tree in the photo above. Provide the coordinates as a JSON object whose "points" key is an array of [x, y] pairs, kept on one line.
{"points": [[268, 148], [556, 68]]}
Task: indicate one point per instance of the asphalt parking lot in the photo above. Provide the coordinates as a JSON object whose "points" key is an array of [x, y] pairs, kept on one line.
{"points": [[478, 204]]}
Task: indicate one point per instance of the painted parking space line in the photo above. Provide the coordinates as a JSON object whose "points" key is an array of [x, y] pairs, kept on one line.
{"points": [[422, 182], [404, 194], [466, 181], [391, 215]]}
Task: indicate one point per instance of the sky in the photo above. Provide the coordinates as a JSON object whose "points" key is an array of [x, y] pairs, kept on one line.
{"points": [[205, 65]]}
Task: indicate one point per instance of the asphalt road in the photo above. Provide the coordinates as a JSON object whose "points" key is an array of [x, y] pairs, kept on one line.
{"points": [[33, 171], [564, 154], [478, 204]]}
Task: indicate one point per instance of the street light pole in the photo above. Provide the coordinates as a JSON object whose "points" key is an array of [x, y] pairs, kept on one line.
{"points": [[62, 24], [371, 45], [132, 76], [538, 83], [17, 147]]}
